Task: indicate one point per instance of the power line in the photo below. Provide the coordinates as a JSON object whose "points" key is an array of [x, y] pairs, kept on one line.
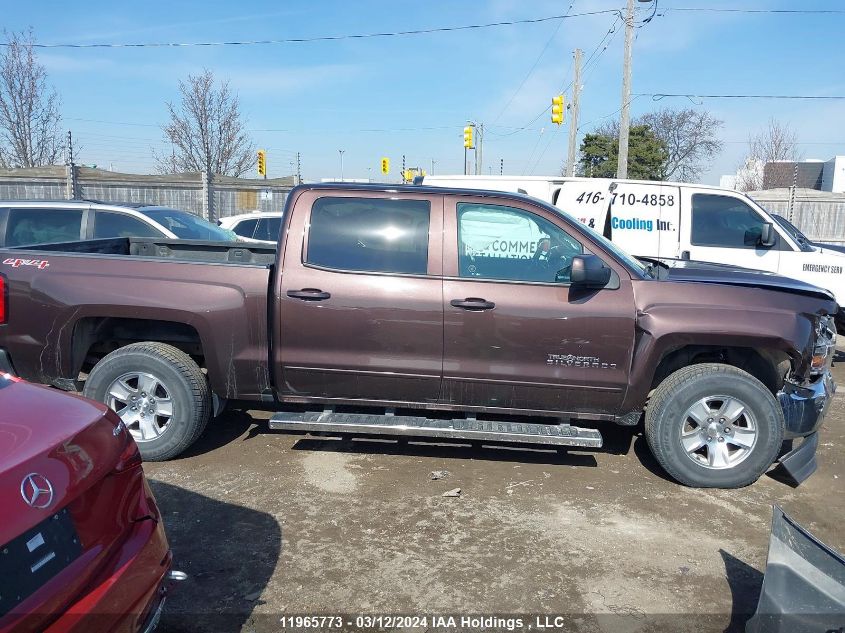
{"points": [[533, 66], [657, 96], [611, 32], [287, 130], [533, 149], [552, 137], [773, 11], [588, 70], [617, 111], [324, 38]]}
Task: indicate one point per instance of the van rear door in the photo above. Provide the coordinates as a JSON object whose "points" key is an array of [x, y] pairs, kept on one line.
{"points": [[643, 218]]}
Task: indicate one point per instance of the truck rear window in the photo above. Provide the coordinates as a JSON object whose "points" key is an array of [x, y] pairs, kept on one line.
{"points": [[370, 235]]}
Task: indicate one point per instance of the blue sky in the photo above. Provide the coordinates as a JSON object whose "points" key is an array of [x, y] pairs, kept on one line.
{"points": [[412, 95]]}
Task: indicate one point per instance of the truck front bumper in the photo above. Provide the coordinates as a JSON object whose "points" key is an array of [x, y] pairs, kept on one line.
{"points": [[804, 409]]}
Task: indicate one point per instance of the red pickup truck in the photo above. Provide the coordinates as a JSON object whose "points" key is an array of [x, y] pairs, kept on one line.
{"points": [[473, 315]]}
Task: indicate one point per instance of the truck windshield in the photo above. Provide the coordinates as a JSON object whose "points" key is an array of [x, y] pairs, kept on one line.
{"points": [[187, 226], [626, 259]]}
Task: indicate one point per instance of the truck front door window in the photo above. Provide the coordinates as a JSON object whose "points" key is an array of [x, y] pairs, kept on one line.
{"points": [[370, 235], [504, 243], [725, 222]]}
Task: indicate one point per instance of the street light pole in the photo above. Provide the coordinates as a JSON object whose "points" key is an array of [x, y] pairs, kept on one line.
{"points": [[341, 151]]}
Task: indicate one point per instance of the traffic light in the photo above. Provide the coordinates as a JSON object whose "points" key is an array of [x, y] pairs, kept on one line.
{"points": [[262, 162], [385, 166], [468, 137], [557, 109]]}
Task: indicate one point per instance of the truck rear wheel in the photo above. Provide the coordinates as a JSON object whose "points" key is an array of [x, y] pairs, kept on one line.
{"points": [[158, 391], [714, 426]]}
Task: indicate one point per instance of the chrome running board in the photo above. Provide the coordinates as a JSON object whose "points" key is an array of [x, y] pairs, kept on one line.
{"points": [[417, 426]]}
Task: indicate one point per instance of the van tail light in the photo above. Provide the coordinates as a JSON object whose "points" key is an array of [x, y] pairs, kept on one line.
{"points": [[4, 299]]}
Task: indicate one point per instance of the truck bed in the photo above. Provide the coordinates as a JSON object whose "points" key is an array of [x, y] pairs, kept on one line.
{"points": [[244, 253], [208, 297]]}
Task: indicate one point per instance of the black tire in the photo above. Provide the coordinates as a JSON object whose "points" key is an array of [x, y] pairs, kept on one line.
{"points": [[183, 382], [666, 418]]}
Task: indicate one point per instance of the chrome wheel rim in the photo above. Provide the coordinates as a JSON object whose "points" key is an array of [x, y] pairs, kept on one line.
{"points": [[718, 432], [144, 404]]}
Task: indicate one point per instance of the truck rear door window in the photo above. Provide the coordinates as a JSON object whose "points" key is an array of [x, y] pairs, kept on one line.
{"points": [[370, 235], [499, 242], [724, 221], [43, 226]]}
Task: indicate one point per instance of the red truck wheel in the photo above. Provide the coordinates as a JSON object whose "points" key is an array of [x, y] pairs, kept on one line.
{"points": [[714, 426], [158, 391]]}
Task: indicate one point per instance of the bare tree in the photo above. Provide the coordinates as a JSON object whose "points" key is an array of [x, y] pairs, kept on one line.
{"points": [[206, 130], [691, 140], [690, 137], [777, 141], [30, 121]]}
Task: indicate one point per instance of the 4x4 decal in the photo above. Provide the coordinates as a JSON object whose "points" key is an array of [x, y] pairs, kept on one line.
{"points": [[40, 264]]}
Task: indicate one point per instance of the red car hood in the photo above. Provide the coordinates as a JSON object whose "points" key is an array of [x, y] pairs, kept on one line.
{"points": [[65, 439]]}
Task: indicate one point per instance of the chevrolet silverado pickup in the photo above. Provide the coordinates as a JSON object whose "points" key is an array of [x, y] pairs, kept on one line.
{"points": [[467, 315]]}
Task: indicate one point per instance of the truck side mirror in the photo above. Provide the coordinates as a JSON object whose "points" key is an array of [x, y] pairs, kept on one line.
{"points": [[768, 237], [589, 271]]}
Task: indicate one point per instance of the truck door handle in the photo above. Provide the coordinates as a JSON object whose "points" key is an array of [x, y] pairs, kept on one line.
{"points": [[309, 294], [474, 304]]}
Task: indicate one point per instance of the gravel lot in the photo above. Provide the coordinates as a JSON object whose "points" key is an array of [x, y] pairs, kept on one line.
{"points": [[268, 524]]}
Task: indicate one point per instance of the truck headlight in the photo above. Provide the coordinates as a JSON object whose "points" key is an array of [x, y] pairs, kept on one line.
{"points": [[825, 346]]}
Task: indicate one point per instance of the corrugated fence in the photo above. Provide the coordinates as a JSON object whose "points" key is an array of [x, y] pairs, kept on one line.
{"points": [[182, 191], [819, 214]]}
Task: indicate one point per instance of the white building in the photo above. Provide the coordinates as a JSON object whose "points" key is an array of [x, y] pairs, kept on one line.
{"points": [[833, 176]]}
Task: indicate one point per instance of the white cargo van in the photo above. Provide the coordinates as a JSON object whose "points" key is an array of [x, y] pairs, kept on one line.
{"points": [[678, 220]]}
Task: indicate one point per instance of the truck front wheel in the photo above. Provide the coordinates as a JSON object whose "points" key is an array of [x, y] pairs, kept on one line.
{"points": [[158, 391], [714, 426]]}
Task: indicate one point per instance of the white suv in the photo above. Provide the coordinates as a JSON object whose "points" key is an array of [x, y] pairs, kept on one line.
{"points": [[28, 222], [263, 226]]}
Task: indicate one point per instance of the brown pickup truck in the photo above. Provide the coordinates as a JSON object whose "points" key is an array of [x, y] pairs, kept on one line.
{"points": [[453, 314]]}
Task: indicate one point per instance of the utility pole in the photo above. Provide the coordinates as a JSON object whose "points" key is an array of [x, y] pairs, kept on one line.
{"points": [[625, 117], [575, 105], [432, 166], [479, 156], [298, 171], [501, 166], [341, 151]]}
